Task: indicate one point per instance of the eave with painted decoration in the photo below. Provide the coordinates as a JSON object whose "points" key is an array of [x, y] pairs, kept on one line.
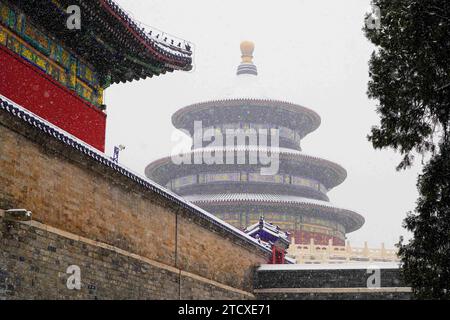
{"points": [[116, 45]]}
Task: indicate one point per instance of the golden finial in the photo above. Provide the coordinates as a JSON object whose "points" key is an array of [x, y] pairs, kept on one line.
{"points": [[247, 48], [247, 66]]}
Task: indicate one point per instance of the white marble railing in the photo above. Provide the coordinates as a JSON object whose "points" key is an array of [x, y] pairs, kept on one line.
{"points": [[318, 254]]}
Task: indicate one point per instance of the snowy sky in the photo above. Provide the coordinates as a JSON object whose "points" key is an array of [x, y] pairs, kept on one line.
{"points": [[310, 52]]}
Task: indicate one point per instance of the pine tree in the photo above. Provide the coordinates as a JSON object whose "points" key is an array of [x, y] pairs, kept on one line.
{"points": [[426, 257], [410, 78]]}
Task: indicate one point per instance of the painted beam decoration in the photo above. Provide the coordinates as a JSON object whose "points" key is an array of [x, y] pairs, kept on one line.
{"points": [[60, 73], [32, 44]]}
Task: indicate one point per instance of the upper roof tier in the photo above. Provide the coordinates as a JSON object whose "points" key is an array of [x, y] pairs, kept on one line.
{"points": [[247, 101], [258, 111], [109, 39]]}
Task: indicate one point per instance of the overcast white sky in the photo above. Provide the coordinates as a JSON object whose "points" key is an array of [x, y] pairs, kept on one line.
{"points": [[310, 52]]}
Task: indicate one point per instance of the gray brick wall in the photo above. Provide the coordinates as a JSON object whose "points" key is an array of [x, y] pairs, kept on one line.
{"points": [[33, 264], [74, 192], [321, 284]]}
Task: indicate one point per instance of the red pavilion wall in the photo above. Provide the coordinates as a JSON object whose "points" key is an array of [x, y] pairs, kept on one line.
{"points": [[26, 85]]}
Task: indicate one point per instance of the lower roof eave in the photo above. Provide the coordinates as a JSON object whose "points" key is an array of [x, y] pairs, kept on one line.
{"points": [[348, 218]]}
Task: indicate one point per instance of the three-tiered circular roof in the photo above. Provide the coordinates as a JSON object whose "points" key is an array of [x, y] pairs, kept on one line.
{"points": [[298, 188]]}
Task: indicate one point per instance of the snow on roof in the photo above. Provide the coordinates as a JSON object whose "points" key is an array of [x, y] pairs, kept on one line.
{"points": [[245, 86], [261, 197], [254, 102], [267, 227], [150, 33]]}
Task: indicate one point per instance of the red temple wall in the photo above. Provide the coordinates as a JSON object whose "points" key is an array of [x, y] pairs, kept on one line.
{"points": [[29, 87]]}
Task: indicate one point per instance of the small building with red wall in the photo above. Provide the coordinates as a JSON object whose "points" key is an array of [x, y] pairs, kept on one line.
{"points": [[273, 238]]}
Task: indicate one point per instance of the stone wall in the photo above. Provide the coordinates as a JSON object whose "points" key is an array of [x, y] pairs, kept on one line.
{"points": [[344, 282], [69, 190], [34, 259]]}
